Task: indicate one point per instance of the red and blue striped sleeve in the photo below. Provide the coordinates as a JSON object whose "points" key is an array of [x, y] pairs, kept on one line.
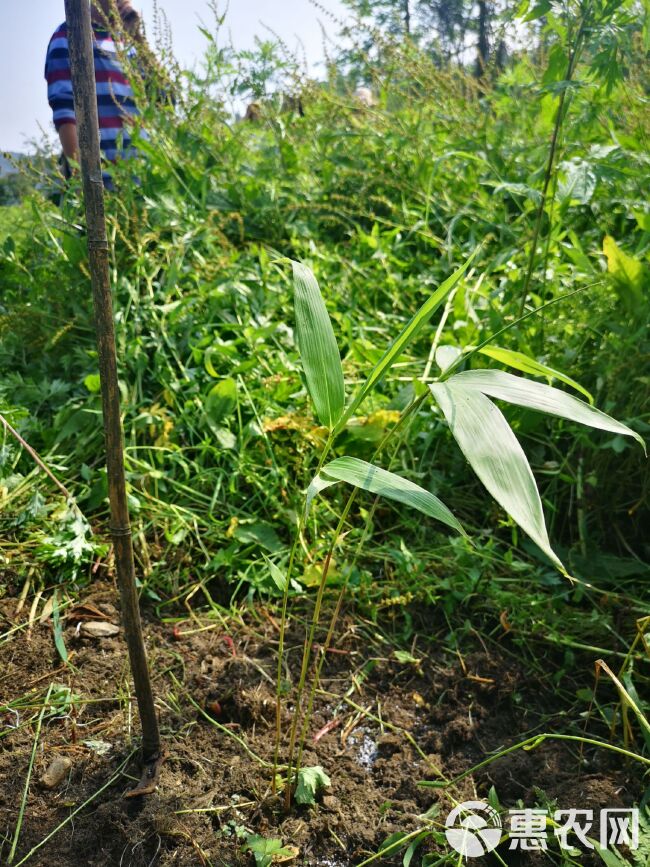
{"points": [[59, 82]]}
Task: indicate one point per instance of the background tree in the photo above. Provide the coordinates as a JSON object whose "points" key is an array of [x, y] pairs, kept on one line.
{"points": [[458, 31]]}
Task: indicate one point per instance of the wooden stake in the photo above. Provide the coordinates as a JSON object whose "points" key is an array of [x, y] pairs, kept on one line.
{"points": [[82, 68]]}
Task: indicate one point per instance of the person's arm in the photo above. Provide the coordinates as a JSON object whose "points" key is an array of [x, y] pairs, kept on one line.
{"points": [[69, 141], [59, 93]]}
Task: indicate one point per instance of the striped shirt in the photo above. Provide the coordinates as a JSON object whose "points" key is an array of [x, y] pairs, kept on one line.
{"points": [[115, 102]]}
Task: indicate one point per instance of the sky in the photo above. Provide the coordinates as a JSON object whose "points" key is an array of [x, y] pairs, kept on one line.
{"points": [[27, 26]]}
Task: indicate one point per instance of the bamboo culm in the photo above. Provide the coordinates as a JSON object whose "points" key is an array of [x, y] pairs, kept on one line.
{"points": [[82, 70]]}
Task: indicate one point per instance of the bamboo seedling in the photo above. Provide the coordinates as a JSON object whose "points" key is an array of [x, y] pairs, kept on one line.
{"points": [[478, 426], [85, 103]]}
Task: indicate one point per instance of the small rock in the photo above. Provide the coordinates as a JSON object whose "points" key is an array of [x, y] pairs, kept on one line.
{"points": [[56, 772], [108, 608], [99, 629]]}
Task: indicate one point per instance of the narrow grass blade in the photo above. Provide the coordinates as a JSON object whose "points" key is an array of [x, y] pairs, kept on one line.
{"points": [[116, 776], [487, 441], [371, 478], [406, 336], [30, 768], [319, 352], [59, 643], [277, 575], [543, 398], [529, 365]]}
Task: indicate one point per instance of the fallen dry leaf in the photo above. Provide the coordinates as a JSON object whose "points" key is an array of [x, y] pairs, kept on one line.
{"points": [[290, 855]]}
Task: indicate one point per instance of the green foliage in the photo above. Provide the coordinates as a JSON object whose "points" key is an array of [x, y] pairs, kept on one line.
{"points": [[384, 205], [370, 478], [217, 342], [310, 782], [12, 188], [542, 398], [406, 336], [263, 849], [519, 361], [490, 446], [630, 276], [318, 348]]}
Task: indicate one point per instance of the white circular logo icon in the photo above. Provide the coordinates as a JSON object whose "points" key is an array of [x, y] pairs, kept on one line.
{"points": [[473, 828]]}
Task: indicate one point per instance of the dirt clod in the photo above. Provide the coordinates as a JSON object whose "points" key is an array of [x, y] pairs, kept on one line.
{"points": [[56, 772]]}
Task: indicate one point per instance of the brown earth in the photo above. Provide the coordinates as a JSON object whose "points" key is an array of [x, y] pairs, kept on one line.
{"points": [[215, 693]]}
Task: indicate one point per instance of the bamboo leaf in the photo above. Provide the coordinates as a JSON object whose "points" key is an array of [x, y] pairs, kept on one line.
{"points": [[406, 336], [542, 398], [318, 484], [319, 352], [528, 365], [487, 441], [371, 478], [447, 355]]}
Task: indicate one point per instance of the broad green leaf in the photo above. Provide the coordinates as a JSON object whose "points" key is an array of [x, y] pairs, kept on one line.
{"points": [[643, 217], [370, 478], [487, 441], [557, 65], [539, 9], [630, 276], [221, 400], [310, 781], [575, 251], [264, 851], [519, 190], [579, 182], [528, 365], [92, 382], [319, 352], [259, 533], [541, 397], [406, 336]]}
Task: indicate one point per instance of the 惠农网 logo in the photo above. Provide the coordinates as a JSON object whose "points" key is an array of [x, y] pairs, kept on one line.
{"points": [[473, 828]]}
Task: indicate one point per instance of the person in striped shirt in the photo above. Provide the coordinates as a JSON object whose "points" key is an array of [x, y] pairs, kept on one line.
{"points": [[115, 100]]}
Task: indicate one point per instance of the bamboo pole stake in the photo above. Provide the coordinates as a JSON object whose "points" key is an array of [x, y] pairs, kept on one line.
{"points": [[82, 69]]}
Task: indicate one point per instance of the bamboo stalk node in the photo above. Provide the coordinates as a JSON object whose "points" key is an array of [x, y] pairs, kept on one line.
{"points": [[120, 531]]}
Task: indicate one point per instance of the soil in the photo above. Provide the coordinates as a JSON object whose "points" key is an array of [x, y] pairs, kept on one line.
{"points": [[214, 682]]}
